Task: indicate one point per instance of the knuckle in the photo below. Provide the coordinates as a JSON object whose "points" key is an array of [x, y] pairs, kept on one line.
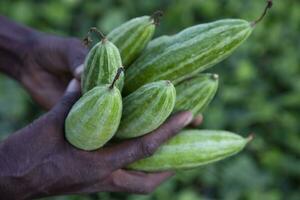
{"points": [[148, 147], [114, 181]]}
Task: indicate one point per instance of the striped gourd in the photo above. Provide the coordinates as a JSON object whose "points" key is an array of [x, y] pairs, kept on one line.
{"points": [[133, 36], [146, 109], [191, 51], [192, 148], [101, 65], [155, 46], [95, 117], [194, 94]]}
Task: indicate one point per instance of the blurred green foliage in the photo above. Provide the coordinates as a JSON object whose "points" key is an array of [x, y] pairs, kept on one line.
{"points": [[259, 91]]}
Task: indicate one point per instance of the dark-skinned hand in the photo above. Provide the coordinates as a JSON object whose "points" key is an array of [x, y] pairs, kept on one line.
{"points": [[49, 65], [37, 161], [44, 64]]}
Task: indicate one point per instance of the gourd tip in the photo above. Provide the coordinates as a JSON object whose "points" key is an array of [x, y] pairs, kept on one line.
{"points": [[250, 137], [156, 17], [215, 76], [168, 82]]}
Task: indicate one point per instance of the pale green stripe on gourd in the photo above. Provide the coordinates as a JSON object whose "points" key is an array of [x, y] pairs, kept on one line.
{"points": [[187, 53], [101, 65], [192, 148], [155, 46], [146, 109], [194, 94], [132, 37], [94, 118]]}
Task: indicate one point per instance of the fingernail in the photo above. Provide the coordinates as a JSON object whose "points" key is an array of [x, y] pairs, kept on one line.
{"points": [[78, 71], [74, 86], [187, 118]]}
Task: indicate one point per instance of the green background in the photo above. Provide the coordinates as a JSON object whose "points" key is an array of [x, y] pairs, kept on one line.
{"points": [[259, 91]]}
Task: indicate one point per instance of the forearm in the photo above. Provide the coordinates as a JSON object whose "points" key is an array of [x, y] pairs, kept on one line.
{"points": [[32, 160], [12, 185], [14, 40]]}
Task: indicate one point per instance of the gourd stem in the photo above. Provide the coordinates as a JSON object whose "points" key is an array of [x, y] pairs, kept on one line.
{"points": [[87, 39], [99, 33], [120, 70], [156, 17], [268, 6]]}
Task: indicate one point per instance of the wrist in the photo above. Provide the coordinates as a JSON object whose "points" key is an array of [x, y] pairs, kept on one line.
{"points": [[12, 184], [21, 172]]}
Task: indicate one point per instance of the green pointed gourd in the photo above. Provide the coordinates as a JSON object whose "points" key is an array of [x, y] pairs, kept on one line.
{"points": [[101, 65], [189, 52], [155, 46], [192, 50], [95, 117], [133, 36], [192, 148], [146, 109], [194, 94]]}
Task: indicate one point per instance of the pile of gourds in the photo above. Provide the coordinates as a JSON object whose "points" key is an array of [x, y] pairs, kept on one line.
{"points": [[132, 84]]}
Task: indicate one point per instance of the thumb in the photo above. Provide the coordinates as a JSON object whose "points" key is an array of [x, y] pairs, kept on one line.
{"points": [[64, 105]]}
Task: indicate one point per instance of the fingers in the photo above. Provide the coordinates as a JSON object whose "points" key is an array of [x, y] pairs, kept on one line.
{"points": [[74, 86], [78, 72], [196, 121], [137, 182], [76, 54], [122, 154], [62, 108]]}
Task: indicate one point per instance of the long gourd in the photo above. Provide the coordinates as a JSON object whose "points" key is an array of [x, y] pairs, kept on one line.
{"points": [[192, 148], [191, 51]]}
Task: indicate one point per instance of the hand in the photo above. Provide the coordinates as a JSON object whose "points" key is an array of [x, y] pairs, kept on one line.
{"points": [[42, 63], [49, 64], [38, 161]]}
